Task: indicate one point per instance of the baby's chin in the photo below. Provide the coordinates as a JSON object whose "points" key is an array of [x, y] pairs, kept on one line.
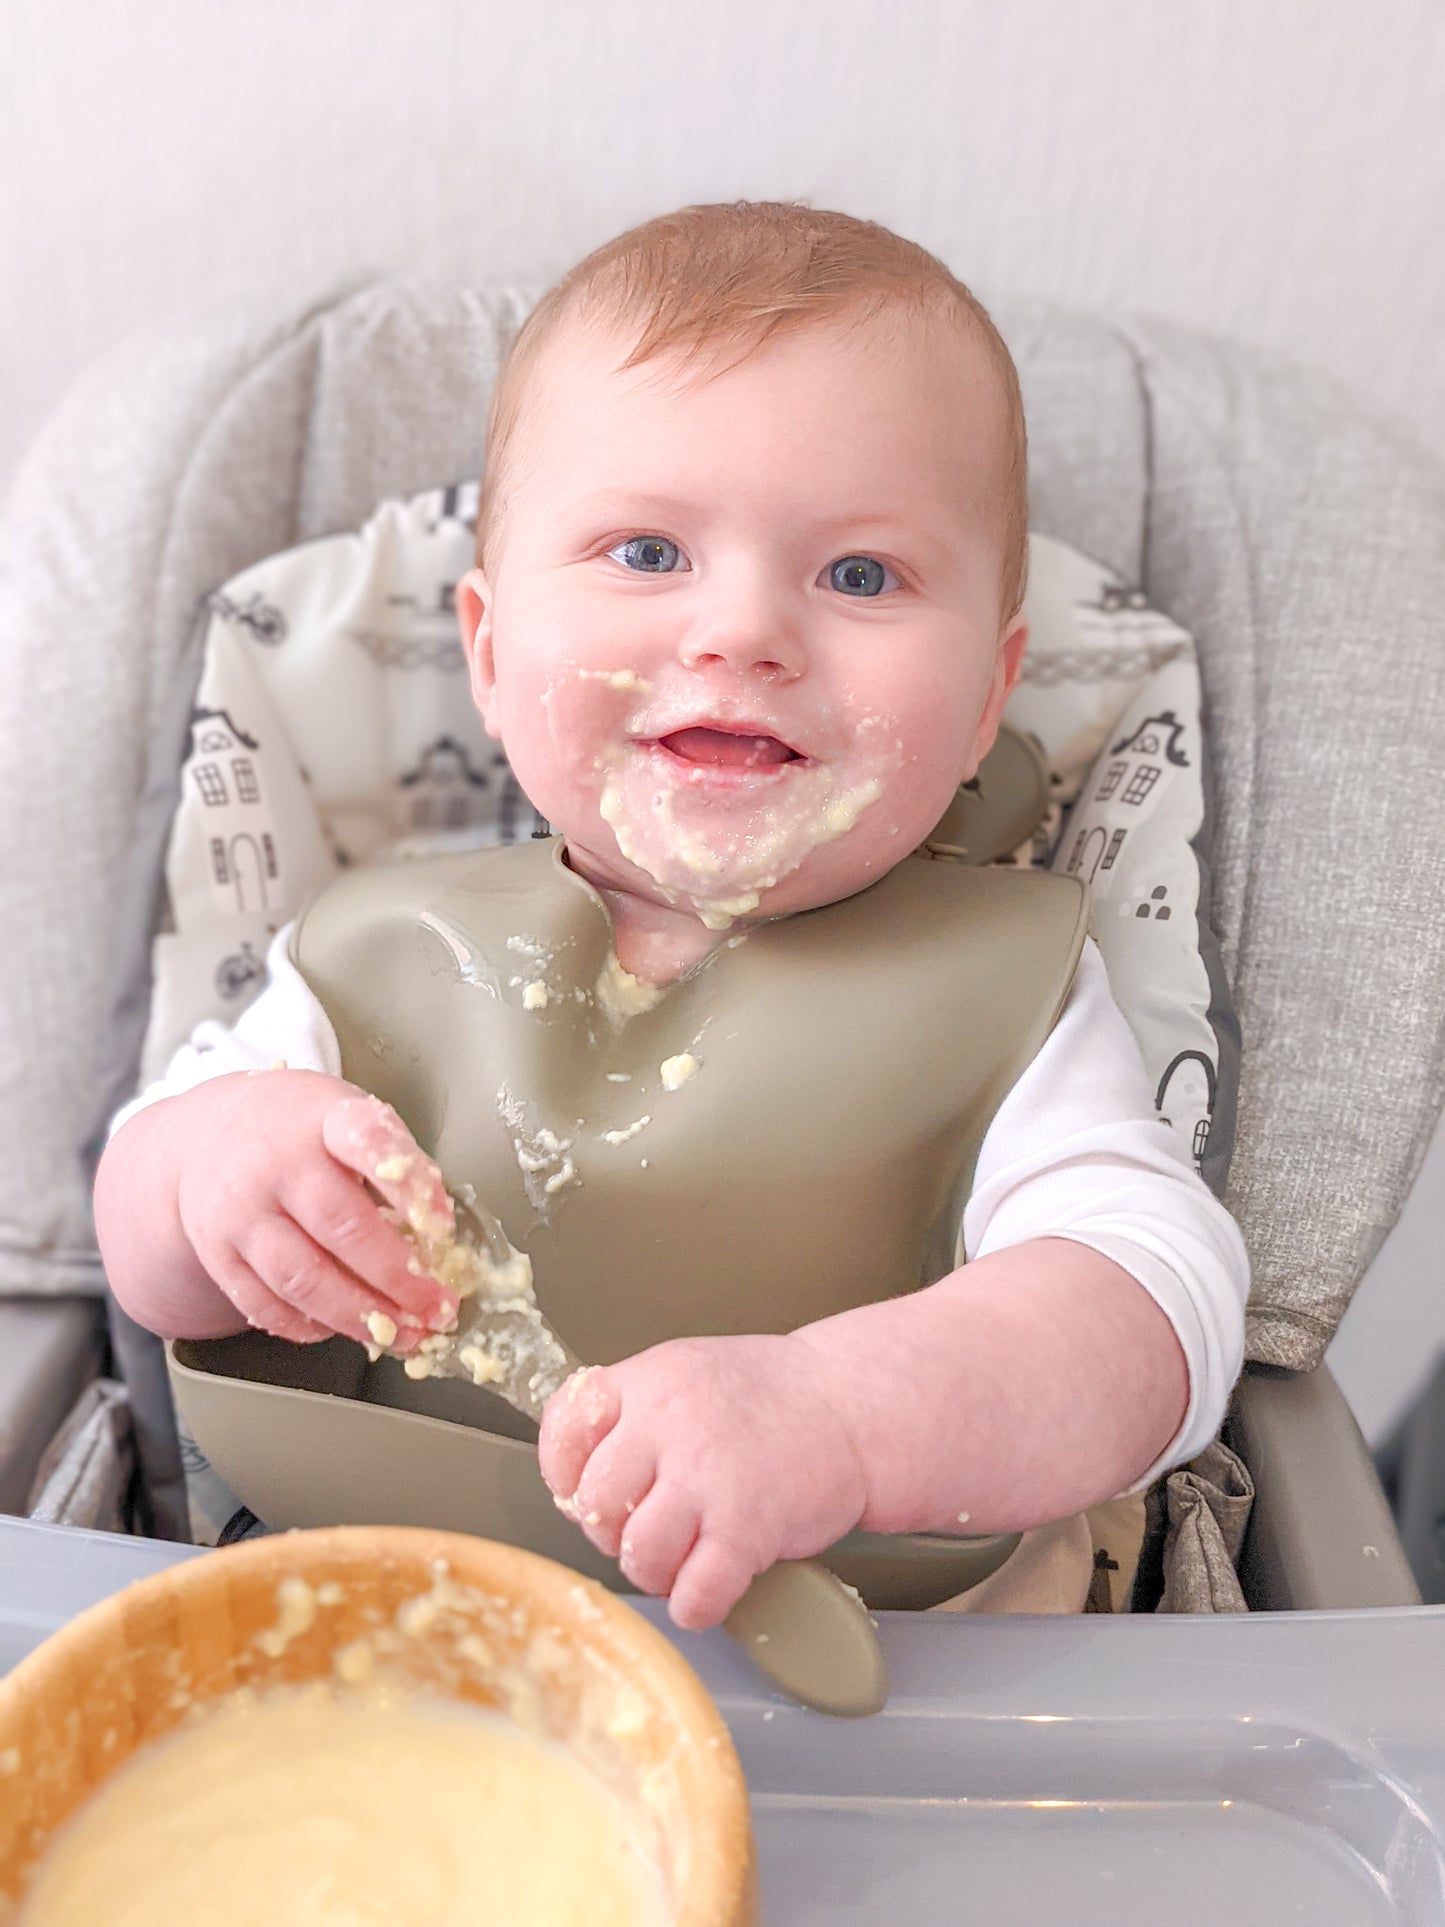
{"points": [[824, 877], [725, 849], [827, 876]]}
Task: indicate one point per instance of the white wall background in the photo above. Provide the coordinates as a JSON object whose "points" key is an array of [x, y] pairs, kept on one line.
{"points": [[1273, 169]]}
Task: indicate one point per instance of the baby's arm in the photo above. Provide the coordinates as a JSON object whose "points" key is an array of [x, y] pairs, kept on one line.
{"points": [[244, 1202], [1093, 1339], [1019, 1389], [233, 1194]]}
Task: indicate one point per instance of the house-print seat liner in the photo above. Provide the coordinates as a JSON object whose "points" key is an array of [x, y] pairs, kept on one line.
{"points": [[333, 726]]}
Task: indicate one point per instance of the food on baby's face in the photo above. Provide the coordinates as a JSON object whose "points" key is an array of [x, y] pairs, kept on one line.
{"points": [[309, 1804]]}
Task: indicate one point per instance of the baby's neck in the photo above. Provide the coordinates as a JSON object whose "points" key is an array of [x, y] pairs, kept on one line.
{"points": [[655, 941]]}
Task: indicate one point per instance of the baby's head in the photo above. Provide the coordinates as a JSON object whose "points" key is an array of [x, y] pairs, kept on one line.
{"points": [[750, 556]]}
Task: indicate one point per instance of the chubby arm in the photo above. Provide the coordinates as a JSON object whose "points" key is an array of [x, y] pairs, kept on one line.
{"points": [[150, 1264], [260, 1198], [241, 1187], [1036, 1381], [1021, 1388]]}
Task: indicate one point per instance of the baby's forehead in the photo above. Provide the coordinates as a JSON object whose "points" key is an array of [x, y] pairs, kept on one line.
{"points": [[945, 377], [603, 339], [932, 365], [920, 463]]}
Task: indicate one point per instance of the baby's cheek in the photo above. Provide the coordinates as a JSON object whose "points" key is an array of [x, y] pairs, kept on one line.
{"points": [[560, 724]]}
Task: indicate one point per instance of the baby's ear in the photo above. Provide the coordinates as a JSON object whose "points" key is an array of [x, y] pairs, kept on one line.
{"points": [[1012, 644], [1007, 664], [474, 613]]}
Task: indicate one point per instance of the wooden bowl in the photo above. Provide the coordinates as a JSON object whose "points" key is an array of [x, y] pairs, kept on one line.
{"points": [[477, 1621]]}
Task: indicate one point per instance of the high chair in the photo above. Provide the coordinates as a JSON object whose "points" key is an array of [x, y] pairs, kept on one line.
{"points": [[1300, 543]]}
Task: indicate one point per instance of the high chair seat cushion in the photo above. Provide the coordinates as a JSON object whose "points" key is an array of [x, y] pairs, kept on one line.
{"points": [[50, 1351], [1300, 543], [331, 726]]}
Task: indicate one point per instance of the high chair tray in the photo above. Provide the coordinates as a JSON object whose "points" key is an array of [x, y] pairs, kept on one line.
{"points": [[1283, 1767]]}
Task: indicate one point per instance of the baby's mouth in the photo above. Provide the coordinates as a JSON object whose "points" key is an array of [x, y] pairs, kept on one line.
{"points": [[705, 747]]}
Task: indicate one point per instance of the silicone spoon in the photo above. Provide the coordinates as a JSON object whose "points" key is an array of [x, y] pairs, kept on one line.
{"points": [[797, 1622]]}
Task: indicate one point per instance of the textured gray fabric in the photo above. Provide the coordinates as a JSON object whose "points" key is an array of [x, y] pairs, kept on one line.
{"points": [[141, 899], [1302, 545], [160, 1509], [86, 1475], [50, 1350], [85, 539], [1208, 1504], [1088, 425], [172, 465]]}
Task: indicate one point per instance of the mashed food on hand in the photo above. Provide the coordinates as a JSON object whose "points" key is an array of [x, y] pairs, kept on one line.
{"points": [[309, 1806]]}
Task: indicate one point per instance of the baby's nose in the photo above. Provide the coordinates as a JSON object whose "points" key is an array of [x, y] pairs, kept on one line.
{"points": [[756, 639]]}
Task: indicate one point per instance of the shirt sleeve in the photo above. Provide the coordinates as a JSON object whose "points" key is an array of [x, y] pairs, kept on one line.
{"points": [[286, 1024], [1077, 1150]]}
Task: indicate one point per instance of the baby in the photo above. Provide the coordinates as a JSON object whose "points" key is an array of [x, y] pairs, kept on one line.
{"points": [[746, 610]]}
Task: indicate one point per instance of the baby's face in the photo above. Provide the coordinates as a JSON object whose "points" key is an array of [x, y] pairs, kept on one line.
{"points": [[742, 636]]}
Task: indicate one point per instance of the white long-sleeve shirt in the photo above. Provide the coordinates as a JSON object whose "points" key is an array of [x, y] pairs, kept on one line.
{"points": [[1075, 1150]]}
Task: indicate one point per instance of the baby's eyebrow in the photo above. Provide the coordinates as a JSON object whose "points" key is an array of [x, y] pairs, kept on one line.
{"points": [[614, 506], [870, 529], [868, 526]]}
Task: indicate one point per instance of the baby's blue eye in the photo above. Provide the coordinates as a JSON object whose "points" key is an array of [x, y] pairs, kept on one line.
{"points": [[861, 575], [651, 554]]}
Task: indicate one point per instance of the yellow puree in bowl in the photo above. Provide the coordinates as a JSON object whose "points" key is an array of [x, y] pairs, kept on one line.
{"points": [[304, 1806]]}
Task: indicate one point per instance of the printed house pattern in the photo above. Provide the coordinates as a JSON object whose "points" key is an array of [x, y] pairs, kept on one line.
{"points": [[1146, 779], [223, 774], [334, 726]]}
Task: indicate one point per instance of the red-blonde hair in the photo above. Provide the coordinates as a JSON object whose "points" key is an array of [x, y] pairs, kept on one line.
{"points": [[741, 272]]}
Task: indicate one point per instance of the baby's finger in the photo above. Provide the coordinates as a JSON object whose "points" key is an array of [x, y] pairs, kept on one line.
{"points": [[369, 1138], [617, 1478], [713, 1579], [333, 1208], [296, 1269], [657, 1540], [259, 1305], [577, 1419]]}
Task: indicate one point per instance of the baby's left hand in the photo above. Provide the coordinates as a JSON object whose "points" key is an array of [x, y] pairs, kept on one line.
{"points": [[701, 1462]]}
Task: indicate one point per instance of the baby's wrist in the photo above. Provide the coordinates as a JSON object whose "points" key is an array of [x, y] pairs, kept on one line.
{"points": [[831, 1373]]}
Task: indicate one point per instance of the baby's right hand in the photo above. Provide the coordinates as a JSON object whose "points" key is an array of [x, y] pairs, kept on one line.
{"points": [[271, 1193]]}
